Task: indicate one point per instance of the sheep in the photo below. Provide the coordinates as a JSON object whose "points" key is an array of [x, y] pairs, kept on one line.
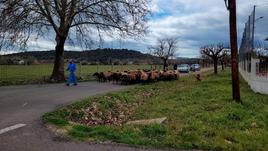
{"points": [[176, 75], [116, 76], [123, 77], [167, 75], [143, 76], [134, 76], [154, 76], [128, 77], [99, 76], [107, 76]]}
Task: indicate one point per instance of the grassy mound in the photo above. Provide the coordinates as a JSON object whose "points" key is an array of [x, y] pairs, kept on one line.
{"points": [[201, 115]]}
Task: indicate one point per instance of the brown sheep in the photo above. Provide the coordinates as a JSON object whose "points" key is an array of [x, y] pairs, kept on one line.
{"points": [[134, 76], [128, 77], [99, 76], [107, 76], [116, 76], [154, 75], [176, 75], [167, 75], [143, 76]]}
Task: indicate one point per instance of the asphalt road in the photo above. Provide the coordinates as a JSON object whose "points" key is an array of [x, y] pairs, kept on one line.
{"points": [[26, 104]]}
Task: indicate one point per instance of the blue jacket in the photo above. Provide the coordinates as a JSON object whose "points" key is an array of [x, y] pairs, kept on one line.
{"points": [[71, 67]]}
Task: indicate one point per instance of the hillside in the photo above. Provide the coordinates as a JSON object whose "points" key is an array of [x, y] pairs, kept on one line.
{"points": [[99, 55]]}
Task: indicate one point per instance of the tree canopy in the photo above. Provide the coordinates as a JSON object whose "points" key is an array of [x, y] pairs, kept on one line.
{"points": [[165, 49], [215, 52], [22, 19]]}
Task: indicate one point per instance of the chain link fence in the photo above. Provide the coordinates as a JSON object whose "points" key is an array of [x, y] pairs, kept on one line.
{"points": [[246, 47], [254, 43], [253, 53]]}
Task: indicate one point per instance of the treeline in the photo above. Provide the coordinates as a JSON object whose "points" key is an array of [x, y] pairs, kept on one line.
{"points": [[98, 56], [92, 57]]}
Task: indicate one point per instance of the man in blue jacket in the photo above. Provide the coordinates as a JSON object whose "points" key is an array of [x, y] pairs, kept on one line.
{"points": [[72, 69]]}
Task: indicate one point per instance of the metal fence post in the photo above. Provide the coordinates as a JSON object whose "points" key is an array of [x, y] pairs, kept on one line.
{"points": [[80, 70]]}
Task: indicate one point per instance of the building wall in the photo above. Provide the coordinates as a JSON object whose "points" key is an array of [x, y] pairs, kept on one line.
{"points": [[257, 83]]}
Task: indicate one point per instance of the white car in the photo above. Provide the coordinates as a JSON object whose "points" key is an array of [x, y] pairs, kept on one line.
{"points": [[184, 68], [195, 67]]}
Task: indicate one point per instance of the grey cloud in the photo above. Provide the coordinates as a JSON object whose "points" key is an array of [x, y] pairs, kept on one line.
{"points": [[195, 22]]}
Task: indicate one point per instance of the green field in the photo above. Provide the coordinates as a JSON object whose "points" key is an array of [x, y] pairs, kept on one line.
{"points": [[201, 115], [25, 74]]}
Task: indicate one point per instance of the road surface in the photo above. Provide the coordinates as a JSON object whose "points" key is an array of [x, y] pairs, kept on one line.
{"points": [[21, 107]]}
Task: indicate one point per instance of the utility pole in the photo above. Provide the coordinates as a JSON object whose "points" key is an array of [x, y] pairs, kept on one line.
{"points": [[253, 30], [231, 6]]}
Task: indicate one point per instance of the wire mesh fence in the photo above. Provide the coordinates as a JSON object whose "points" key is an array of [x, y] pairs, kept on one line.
{"points": [[254, 43]]}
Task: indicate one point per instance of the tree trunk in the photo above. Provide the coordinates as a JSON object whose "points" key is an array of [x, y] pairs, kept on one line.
{"points": [[165, 64], [58, 70], [222, 65], [215, 65]]}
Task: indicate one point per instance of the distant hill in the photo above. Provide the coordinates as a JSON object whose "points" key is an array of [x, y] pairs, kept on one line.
{"points": [[102, 56], [99, 55]]}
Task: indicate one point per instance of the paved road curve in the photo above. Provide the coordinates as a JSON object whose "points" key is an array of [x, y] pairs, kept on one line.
{"points": [[26, 104]]}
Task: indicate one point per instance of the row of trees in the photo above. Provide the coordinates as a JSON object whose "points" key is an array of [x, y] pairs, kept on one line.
{"points": [[166, 49]]}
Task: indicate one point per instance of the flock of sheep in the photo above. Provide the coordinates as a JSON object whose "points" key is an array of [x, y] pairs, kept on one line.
{"points": [[136, 76]]}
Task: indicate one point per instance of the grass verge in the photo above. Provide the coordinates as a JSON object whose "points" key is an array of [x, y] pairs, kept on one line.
{"points": [[201, 115]]}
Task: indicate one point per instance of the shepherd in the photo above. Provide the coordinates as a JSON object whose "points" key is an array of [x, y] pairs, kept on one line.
{"points": [[175, 67], [72, 69]]}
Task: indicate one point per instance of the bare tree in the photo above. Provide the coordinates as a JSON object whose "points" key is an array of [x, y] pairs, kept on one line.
{"points": [[226, 59], [215, 52], [2, 35], [260, 48], [165, 49], [24, 18]]}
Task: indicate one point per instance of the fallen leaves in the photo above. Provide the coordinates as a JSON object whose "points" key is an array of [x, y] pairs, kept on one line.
{"points": [[111, 109]]}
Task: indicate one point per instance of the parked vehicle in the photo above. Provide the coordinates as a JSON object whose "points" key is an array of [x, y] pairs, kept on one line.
{"points": [[184, 68], [195, 67]]}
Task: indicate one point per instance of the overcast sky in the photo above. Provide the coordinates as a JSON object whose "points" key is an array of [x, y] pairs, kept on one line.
{"points": [[195, 22]]}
